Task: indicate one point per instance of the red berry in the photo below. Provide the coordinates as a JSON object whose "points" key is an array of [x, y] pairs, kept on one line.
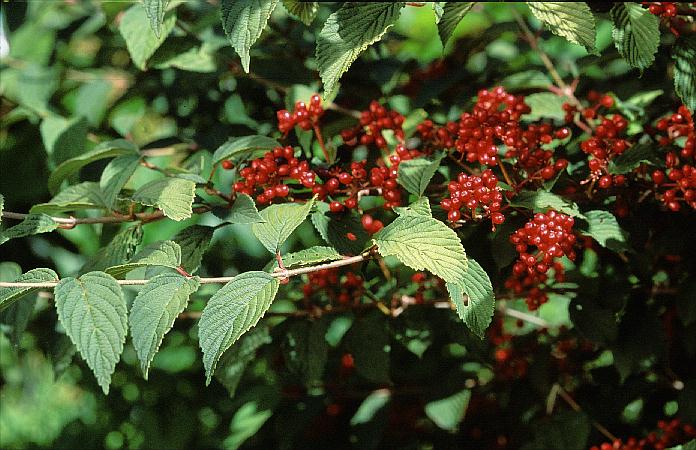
{"points": [[227, 164], [335, 207]]}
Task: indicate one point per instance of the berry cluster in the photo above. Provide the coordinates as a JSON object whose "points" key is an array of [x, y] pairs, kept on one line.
{"points": [[668, 434], [552, 236], [597, 101], [267, 175], [372, 122], [603, 146], [303, 116], [343, 289], [663, 9], [371, 225], [511, 360], [480, 195]]}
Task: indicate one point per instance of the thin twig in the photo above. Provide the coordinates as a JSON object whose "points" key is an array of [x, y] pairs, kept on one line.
{"points": [[72, 221], [557, 389]]}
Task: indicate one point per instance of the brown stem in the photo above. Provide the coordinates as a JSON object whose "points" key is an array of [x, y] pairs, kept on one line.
{"points": [[320, 139], [557, 389], [72, 221]]}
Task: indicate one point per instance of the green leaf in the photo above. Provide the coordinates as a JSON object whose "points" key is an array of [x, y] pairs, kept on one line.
{"points": [[424, 243], [18, 314], [154, 310], [194, 242], [684, 55], [632, 158], [571, 20], [691, 445], [545, 105], [93, 98], [85, 195], [419, 207], [604, 228], [347, 33], [280, 222], [372, 404], [117, 252], [109, 149], [449, 411], [243, 22], [155, 10], [240, 147], [542, 201], [10, 295], [305, 11], [452, 14], [309, 256], [174, 196], [233, 362], [415, 174], [2, 206], [243, 211], [115, 176], [161, 253], [32, 224], [636, 34], [141, 40], [231, 311], [335, 229], [93, 312], [62, 138], [476, 310]]}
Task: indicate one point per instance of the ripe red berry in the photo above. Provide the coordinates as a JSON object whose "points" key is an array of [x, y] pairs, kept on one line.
{"points": [[335, 207], [227, 164]]}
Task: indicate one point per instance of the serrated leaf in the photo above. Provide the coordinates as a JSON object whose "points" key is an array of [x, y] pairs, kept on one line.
{"points": [[174, 196], [691, 445], [335, 229], [476, 310], [85, 195], [420, 207], [194, 242], [240, 147], [10, 295], [347, 33], [243, 22], [684, 56], [141, 40], [369, 407], [312, 255], [603, 227], [415, 174], [93, 312], [115, 175], [424, 243], [233, 362], [161, 253], [545, 105], [155, 10], [305, 11], [154, 310], [448, 412], [632, 158], [63, 138], [104, 150], [542, 201], [571, 20], [243, 210], [16, 315], [231, 311], [636, 33], [452, 14], [32, 224], [279, 223], [117, 252]]}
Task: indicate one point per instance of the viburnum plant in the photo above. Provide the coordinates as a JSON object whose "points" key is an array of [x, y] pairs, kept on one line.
{"points": [[397, 238]]}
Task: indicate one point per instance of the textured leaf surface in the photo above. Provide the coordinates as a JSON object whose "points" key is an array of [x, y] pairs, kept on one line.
{"points": [[452, 14], [174, 196], [280, 222], [241, 146], [85, 195], [415, 174], [154, 310], [542, 201], [194, 242], [104, 150], [115, 175], [93, 312], [231, 311], [63, 138], [243, 211], [243, 22], [141, 40], [571, 20], [604, 228], [121, 248], [348, 32], [233, 362], [448, 412], [632, 158], [309, 256], [424, 243], [32, 224], [474, 298], [305, 11], [420, 207], [684, 55], [636, 33], [161, 253], [10, 295], [343, 231], [545, 105], [155, 10]]}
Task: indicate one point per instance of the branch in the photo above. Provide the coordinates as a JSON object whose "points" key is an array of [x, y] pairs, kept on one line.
{"points": [[557, 390]]}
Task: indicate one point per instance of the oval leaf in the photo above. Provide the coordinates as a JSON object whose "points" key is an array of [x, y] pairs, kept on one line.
{"points": [[174, 196], [476, 310], [571, 20], [636, 33], [279, 223], [10, 295], [452, 14], [243, 22]]}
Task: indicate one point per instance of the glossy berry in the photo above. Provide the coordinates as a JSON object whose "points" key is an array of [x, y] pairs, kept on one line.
{"points": [[227, 164], [474, 197]]}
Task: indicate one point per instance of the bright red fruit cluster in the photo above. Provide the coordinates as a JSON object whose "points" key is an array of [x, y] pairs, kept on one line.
{"points": [[343, 289], [479, 195], [668, 434], [664, 9], [303, 116], [267, 175], [540, 244], [372, 122]]}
